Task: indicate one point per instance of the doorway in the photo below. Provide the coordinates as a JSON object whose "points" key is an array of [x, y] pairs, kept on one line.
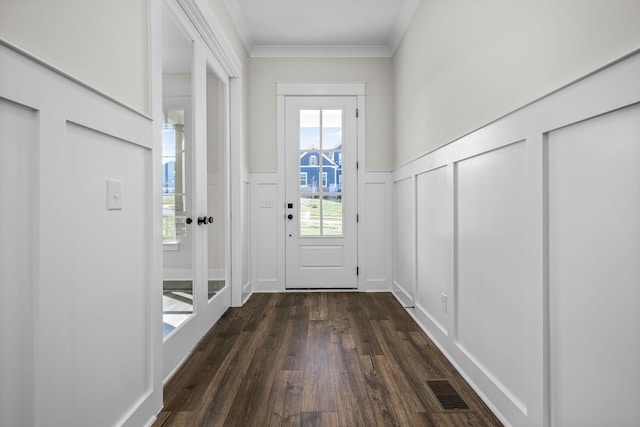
{"points": [[195, 194], [321, 192]]}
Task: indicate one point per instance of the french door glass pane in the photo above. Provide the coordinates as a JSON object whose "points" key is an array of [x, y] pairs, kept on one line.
{"points": [[216, 186]]}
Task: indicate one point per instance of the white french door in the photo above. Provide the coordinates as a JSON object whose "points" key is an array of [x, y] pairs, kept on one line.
{"points": [[321, 192], [196, 288]]}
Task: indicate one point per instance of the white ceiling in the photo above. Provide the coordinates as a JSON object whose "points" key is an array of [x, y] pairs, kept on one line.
{"points": [[360, 28]]}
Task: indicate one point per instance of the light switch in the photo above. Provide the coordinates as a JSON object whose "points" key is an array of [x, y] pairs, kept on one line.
{"points": [[114, 195], [267, 203]]}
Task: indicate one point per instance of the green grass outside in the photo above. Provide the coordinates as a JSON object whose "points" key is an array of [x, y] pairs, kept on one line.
{"points": [[310, 217]]}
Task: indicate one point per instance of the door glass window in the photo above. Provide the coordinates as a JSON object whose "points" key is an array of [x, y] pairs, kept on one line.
{"points": [[321, 165], [173, 176]]}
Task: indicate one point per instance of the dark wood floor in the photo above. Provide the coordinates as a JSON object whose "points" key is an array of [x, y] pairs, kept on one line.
{"points": [[316, 359]]}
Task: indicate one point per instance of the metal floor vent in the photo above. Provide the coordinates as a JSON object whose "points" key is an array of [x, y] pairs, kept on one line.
{"points": [[448, 397]]}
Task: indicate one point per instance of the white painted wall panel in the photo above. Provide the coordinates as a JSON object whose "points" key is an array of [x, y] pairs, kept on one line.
{"points": [[434, 244], [246, 241], [491, 271], [404, 243], [374, 226], [108, 277], [594, 271], [89, 324], [18, 147], [266, 234]]}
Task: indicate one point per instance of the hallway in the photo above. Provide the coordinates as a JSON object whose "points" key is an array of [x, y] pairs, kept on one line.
{"points": [[317, 359]]}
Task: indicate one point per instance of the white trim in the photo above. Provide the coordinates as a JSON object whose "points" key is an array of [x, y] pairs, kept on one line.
{"points": [[321, 52], [70, 77], [242, 27], [407, 10], [320, 89], [205, 22]]}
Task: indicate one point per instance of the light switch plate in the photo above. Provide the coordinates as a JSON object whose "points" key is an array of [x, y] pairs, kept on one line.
{"points": [[267, 203], [114, 195]]}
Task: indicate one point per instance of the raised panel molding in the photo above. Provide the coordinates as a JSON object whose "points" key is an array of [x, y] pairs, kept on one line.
{"points": [[374, 233], [18, 246], [490, 261], [375, 254], [404, 239], [529, 225], [594, 248], [267, 235], [94, 358]]}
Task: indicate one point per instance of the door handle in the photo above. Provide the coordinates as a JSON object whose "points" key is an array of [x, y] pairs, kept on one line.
{"points": [[203, 220], [189, 220], [290, 216]]}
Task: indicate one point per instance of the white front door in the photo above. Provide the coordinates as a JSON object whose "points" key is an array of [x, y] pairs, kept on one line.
{"points": [[321, 192]]}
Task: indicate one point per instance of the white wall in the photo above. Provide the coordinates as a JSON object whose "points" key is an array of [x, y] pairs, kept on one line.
{"points": [[463, 64], [103, 44], [265, 72], [85, 300], [529, 227]]}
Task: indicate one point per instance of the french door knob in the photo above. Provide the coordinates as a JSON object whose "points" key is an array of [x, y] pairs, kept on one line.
{"points": [[189, 220], [290, 216], [210, 219], [202, 220]]}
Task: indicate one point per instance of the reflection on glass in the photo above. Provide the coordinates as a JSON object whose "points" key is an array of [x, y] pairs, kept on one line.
{"points": [[310, 213], [309, 129], [173, 176], [332, 216], [216, 186], [331, 129], [177, 293], [177, 304]]}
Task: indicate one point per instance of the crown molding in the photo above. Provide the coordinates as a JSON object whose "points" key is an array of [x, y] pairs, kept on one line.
{"points": [[321, 52], [202, 17], [238, 17], [407, 11]]}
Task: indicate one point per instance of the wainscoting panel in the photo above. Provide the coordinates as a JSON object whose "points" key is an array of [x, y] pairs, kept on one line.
{"points": [[594, 273], [246, 238], [90, 341], [434, 249], [490, 265], [18, 150], [104, 317], [404, 239], [267, 211], [374, 242], [529, 226]]}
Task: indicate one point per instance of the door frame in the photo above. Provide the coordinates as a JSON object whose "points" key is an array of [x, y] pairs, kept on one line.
{"points": [[284, 89], [212, 52]]}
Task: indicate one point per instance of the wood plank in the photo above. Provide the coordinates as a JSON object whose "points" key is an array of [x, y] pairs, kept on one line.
{"points": [[316, 359], [319, 419], [319, 392]]}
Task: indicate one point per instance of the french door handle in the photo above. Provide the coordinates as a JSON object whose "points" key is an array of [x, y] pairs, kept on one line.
{"points": [[189, 220], [205, 220]]}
